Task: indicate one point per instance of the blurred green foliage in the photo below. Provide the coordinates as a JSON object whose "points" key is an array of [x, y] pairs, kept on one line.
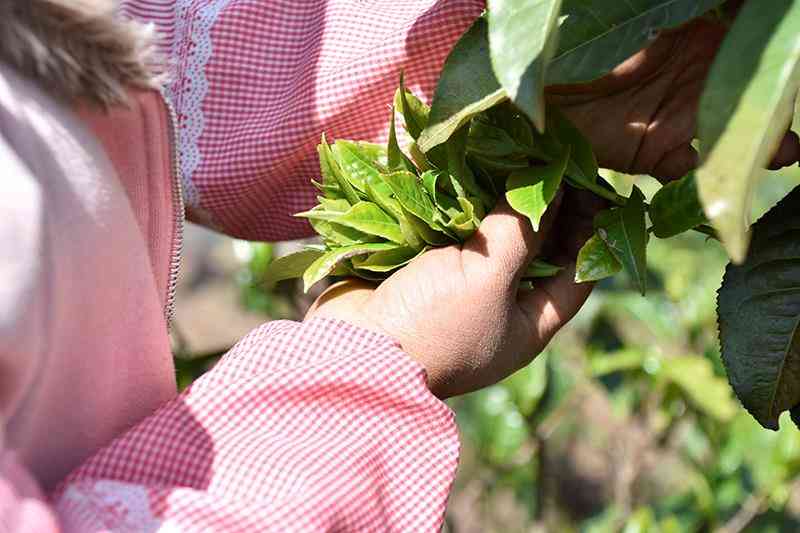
{"points": [[626, 423]]}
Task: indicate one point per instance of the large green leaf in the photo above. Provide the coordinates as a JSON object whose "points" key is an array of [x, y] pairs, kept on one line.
{"points": [[522, 38], [744, 110], [597, 35], [530, 191], [675, 208], [595, 261], [759, 314], [288, 267], [326, 263], [623, 230], [467, 86]]}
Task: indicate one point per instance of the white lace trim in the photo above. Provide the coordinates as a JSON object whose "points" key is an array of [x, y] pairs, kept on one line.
{"points": [[114, 505], [191, 85]]}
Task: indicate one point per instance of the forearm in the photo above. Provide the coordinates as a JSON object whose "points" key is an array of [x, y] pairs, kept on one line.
{"points": [[317, 426]]}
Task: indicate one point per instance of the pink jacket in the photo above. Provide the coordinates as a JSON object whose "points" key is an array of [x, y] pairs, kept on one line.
{"points": [[311, 426]]}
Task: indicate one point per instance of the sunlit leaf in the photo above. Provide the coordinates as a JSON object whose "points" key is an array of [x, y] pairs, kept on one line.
{"points": [[411, 194], [744, 110], [595, 261], [332, 172], [326, 263], [530, 191], [371, 219], [467, 86], [415, 112], [396, 159], [522, 38], [385, 261], [288, 267], [623, 230]]}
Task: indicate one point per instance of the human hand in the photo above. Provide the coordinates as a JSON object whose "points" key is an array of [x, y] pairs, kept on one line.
{"points": [[641, 118], [459, 310]]}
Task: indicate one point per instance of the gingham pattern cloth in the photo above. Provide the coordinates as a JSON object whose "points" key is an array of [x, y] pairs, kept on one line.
{"points": [[317, 426], [255, 83]]}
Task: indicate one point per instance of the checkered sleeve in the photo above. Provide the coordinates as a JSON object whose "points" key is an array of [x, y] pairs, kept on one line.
{"points": [[255, 83], [316, 426]]}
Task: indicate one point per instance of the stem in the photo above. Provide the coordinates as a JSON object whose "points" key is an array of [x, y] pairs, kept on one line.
{"points": [[706, 230], [601, 191]]}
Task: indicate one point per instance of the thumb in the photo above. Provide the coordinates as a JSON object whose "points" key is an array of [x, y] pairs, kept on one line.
{"points": [[505, 242]]}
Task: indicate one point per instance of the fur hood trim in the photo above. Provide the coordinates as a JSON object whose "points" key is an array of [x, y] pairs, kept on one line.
{"points": [[77, 48]]}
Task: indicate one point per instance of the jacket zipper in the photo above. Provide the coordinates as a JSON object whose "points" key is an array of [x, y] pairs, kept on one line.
{"points": [[178, 209]]}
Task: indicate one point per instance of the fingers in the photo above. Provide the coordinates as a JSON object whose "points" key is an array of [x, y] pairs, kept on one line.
{"points": [[552, 303], [788, 152], [505, 243], [676, 163]]}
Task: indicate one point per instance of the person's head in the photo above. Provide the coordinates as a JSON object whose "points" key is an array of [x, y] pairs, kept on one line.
{"points": [[77, 49]]}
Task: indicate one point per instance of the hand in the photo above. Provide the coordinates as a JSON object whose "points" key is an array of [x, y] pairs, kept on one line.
{"points": [[459, 310], [641, 118]]}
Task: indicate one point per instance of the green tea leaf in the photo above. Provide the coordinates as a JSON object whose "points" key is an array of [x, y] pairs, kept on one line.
{"points": [[675, 208], [425, 232], [530, 191], [410, 234], [385, 261], [462, 178], [492, 141], [288, 267], [326, 263], [541, 269], [338, 205], [381, 195], [510, 120], [462, 219], [582, 159], [397, 160], [744, 110], [759, 313], [623, 230], [597, 35], [415, 112], [338, 234], [595, 261], [429, 180], [371, 219], [413, 197], [522, 38], [360, 162], [467, 86], [330, 168]]}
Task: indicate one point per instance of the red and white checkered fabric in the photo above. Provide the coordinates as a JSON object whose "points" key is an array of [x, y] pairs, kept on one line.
{"points": [[256, 82], [319, 426]]}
